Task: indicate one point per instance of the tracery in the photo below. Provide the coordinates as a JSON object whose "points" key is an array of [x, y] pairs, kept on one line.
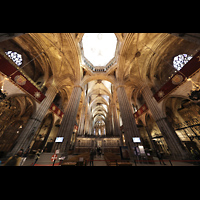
{"points": [[180, 60], [16, 57]]}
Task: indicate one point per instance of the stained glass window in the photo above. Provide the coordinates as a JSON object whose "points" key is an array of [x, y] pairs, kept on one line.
{"points": [[16, 57], [180, 60]]}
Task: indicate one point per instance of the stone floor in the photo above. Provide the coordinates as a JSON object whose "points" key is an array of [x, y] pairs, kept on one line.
{"points": [[166, 162], [99, 161], [45, 160]]}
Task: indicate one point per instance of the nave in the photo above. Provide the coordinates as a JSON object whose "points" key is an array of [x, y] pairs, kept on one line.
{"points": [[135, 94]]}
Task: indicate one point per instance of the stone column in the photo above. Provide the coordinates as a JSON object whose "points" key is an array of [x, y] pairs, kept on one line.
{"points": [[86, 127], [108, 125], [175, 145], [90, 126], [85, 122], [68, 121], [117, 130], [116, 121], [34, 122], [153, 147], [82, 120], [130, 127]]}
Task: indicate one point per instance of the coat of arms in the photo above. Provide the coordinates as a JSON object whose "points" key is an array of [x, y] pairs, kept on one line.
{"points": [[20, 80], [177, 79]]}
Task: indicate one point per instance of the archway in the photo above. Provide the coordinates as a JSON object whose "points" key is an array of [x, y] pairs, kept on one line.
{"points": [[159, 142], [144, 136], [42, 133], [20, 56], [14, 115], [184, 115], [52, 136], [99, 111]]}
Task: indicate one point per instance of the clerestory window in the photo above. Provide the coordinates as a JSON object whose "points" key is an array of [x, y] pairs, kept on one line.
{"points": [[180, 60], [16, 57]]}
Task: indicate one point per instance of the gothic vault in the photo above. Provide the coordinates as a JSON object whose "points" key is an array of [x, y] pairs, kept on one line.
{"points": [[56, 89]]}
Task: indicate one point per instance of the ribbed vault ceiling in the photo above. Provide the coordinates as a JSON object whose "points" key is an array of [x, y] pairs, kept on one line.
{"points": [[140, 58]]}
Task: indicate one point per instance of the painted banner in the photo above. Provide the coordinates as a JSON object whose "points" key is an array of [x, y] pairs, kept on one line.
{"points": [[75, 127], [168, 87], [188, 70], [141, 110], [19, 79], [191, 67], [56, 110]]}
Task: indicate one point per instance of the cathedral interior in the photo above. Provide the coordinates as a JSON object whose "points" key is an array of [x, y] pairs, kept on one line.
{"points": [[74, 92]]}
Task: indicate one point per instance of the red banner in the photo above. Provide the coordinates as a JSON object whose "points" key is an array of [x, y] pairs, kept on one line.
{"points": [[168, 87], [192, 66], [188, 70], [141, 110], [56, 110], [76, 127], [19, 79]]}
